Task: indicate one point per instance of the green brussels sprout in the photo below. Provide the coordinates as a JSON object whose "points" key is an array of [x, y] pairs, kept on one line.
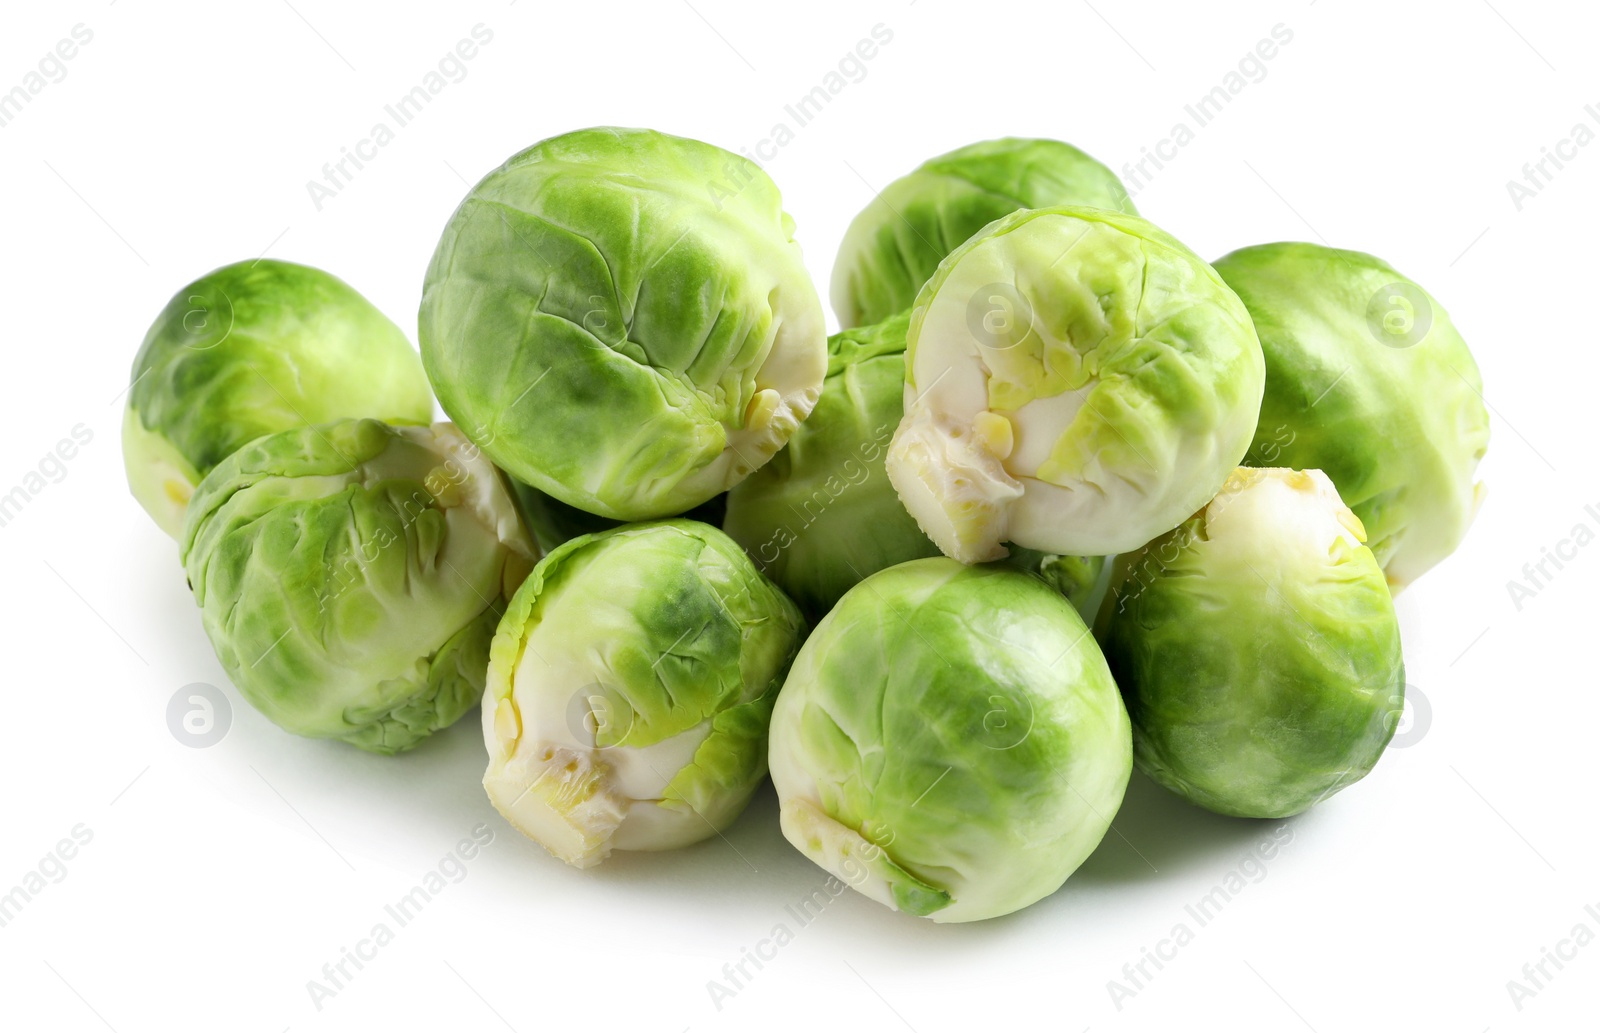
{"points": [[1078, 578], [251, 349], [553, 522], [949, 741], [1257, 648], [1368, 381], [631, 683], [617, 332], [1077, 382], [350, 576], [822, 514], [897, 241]]}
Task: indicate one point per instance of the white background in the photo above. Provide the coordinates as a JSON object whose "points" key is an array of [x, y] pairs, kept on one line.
{"points": [[219, 881]]}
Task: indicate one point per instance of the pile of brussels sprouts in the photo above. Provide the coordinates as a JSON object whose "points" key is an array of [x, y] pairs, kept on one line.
{"points": [[1061, 497]]}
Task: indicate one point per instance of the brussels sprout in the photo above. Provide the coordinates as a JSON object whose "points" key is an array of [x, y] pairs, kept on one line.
{"points": [[630, 687], [553, 522], [1079, 579], [949, 741], [251, 349], [896, 242], [1368, 381], [822, 515], [1078, 382], [1257, 648], [617, 333], [350, 575]]}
